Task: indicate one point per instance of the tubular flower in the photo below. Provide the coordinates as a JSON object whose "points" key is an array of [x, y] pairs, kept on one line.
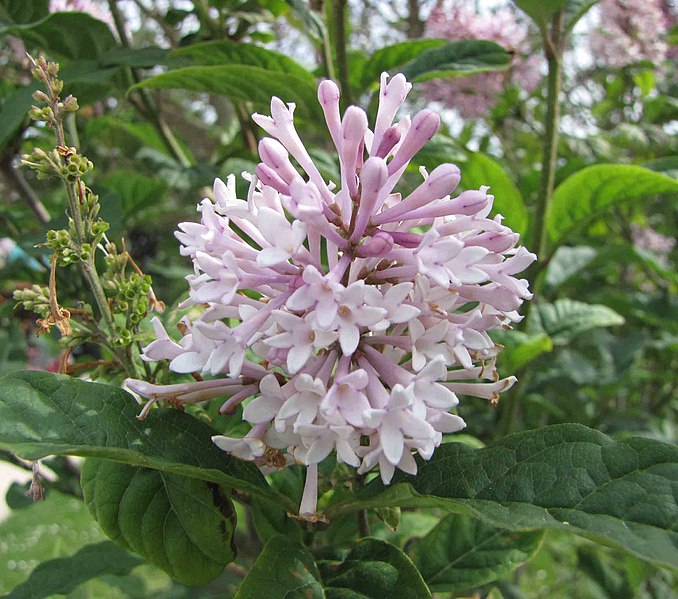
{"points": [[347, 318]]}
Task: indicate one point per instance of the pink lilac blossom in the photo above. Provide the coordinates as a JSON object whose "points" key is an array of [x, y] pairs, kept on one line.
{"points": [[344, 317], [475, 95], [97, 9], [630, 31]]}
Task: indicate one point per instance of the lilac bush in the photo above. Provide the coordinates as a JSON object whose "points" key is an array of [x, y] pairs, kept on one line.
{"points": [[354, 317]]}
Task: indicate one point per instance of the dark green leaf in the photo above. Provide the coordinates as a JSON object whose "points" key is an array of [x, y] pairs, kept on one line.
{"points": [[241, 82], [479, 170], [564, 319], [565, 476], [374, 568], [590, 191], [540, 11], [461, 57], [667, 165], [220, 53], [135, 191], [21, 11], [310, 21], [462, 553], [283, 570], [66, 35], [182, 525], [62, 575], [14, 112], [142, 58], [44, 414], [395, 56], [575, 10]]}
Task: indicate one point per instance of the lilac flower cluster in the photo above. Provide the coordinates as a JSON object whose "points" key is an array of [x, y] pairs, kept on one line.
{"points": [[630, 31], [345, 318], [474, 96]]}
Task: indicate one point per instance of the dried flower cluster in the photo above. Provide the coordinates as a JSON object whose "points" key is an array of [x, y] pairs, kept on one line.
{"points": [[346, 318], [475, 95]]}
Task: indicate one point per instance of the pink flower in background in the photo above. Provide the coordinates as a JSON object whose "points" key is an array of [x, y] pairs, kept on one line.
{"points": [[474, 96], [630, 31], [97, 9], [345, 316]]}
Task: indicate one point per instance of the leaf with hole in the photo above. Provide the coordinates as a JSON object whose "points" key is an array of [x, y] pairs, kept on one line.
{"points": [[183, 525]]}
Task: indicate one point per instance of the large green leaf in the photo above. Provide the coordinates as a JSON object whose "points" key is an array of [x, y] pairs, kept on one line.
{"points": [[183, 525], [575, 10], [460, 57], [63, 574], [622, 493], [462, 553], [241, 82], [590, 191], [479, 170], [566, 263], [374, 568], [68, 35], [218, 53], [44, 414], [395, 56], [564, 319], [283, 570]]}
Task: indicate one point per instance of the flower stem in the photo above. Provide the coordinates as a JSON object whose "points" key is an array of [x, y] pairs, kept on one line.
{"points": [[339, 18], [553, 49]]}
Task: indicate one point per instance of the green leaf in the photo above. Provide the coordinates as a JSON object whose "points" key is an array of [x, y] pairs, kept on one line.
{"points": [[137, 58], [566, 476], [241, 82], [461, 57], [182, 525], [62, 575], [20, 11], [395, 56], [283, 570], [374, 568], [564, 319], [47, 414], [566, 263], [461, 553], [520, 349], [540, 11], [590, 191], [14, 112], [310, 22], [219, 53], [575, 10], [479, 170], [69, 35], [667, 165], [135, 191]]}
